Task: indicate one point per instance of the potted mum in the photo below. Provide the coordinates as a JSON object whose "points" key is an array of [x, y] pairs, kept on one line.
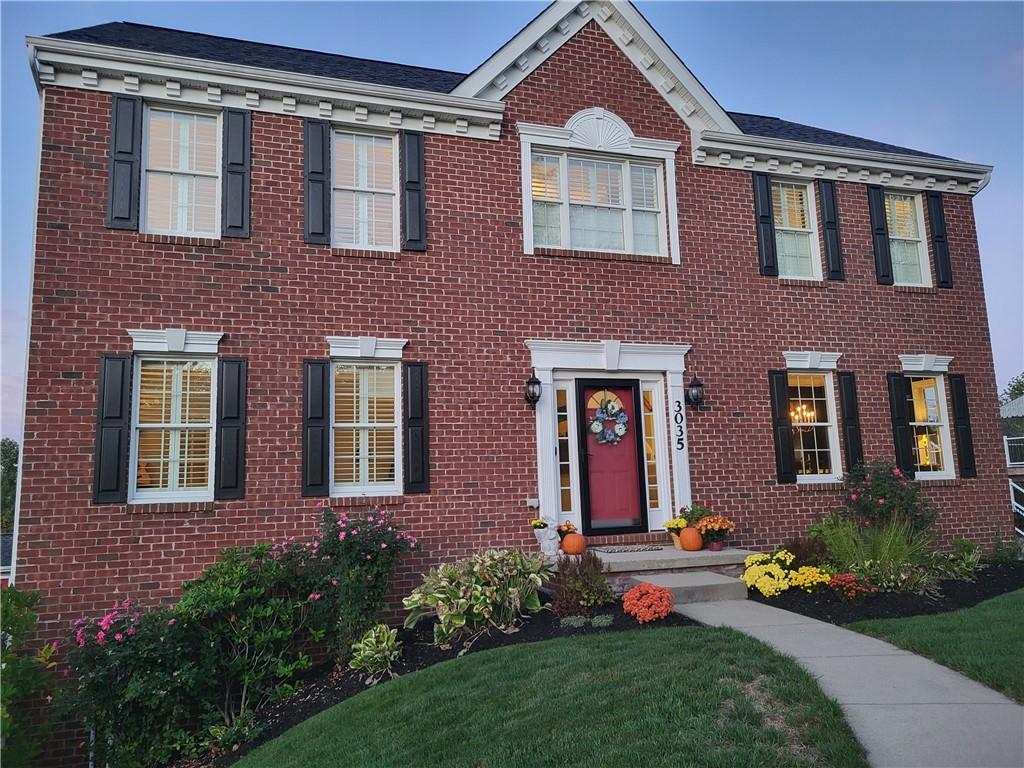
{"points": [[715, 529], [546, 537], [674, 527]]}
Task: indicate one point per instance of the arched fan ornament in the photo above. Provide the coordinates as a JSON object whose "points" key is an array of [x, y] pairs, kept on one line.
{"points": [[597, 128]]}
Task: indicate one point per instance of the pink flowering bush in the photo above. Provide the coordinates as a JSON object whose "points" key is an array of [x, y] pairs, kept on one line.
{"points": [[878, 493]]}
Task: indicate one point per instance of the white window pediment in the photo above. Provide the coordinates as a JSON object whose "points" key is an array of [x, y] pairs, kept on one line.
{"points": [[366, 347], [926, 363], [176, 340], [812, 361]]}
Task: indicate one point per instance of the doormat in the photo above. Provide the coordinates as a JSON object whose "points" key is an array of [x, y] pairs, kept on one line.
{"points": [[611, 550]]}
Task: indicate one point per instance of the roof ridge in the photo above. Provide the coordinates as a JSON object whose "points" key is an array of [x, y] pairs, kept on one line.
{"points": [[270, 45]]}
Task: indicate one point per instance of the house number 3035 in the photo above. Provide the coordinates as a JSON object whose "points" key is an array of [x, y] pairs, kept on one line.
{"points": [[677, 420]]}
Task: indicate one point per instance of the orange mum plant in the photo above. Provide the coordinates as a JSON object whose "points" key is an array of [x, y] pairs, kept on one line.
{"points": [[715, 527], [647, 602]]}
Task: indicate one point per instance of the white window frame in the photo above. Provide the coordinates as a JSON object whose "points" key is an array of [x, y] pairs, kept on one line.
{"points": [[922, 241], [836, 475], [144, 181], [812, 219], [150, 496], [596, 132], [626, 208], [949, 471], [396, 233], [369, 351]]}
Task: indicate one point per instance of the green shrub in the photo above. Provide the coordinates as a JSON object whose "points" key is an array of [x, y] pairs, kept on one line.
{"points": [[349, 564], [1008, 551], [376, 653], [878, 493], [493, 588], [581, 585], [137, 683], [961, 563], [26, 676]]}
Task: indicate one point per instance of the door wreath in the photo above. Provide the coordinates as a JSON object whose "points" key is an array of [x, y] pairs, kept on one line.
{"points": [[609, 434]]}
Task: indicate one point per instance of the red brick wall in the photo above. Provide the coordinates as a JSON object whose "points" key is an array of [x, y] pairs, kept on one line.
{"points": [[466, 306]]}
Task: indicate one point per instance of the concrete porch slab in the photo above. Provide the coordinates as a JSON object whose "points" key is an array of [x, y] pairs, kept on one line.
{"points": [[669, 558]]}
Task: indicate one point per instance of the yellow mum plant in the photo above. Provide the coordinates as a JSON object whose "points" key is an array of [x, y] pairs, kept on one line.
{"points": [[769, 579], [809, 577], [675, 525]]}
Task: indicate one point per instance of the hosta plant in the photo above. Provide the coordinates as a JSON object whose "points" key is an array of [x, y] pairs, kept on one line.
{"points": [[493, 588], [375, 653]]}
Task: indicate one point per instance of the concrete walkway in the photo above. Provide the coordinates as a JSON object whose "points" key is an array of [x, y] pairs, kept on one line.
{"points": [[907, 711]]}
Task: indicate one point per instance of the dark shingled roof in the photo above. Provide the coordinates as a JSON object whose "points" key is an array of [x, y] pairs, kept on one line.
{"points": [[775, 128], [142, 37]]}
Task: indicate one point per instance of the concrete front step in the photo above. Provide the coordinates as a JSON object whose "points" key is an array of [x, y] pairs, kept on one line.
{"points": [[669, 559], [697, 586]]}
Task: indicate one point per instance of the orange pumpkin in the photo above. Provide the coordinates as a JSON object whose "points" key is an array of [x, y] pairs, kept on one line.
{"points": [[574, 544], [691, 539]]}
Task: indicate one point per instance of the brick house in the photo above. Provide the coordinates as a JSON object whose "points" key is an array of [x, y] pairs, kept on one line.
{"points": [[267, 278]]}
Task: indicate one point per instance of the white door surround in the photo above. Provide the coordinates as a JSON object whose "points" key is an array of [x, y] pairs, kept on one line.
{"points": [[558, 362]]}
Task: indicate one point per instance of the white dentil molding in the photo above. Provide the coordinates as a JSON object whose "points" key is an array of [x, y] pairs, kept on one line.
{"points": [[801, 160], [926, 363], [176, 340], [199, 82], [366, 347], [812, 361]]}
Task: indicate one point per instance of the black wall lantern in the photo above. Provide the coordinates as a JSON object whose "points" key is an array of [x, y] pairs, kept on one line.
{"points": [[695, 392], [532, 392]]}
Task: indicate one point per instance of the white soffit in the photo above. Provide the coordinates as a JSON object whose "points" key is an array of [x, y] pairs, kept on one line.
{"points": [[176, 340], [812, 361], [200, 82], [926, 363], [630, 31]]}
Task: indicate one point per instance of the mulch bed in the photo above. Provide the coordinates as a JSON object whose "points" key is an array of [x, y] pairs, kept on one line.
{"points": [[323, 687], [989, 581]]}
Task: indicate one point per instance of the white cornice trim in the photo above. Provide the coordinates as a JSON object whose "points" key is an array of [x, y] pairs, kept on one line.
{"points": [[201, 82], [610, 355], [812, 361], [926, 363], [810, 161], [175, 340], [366, 347], [630, 31]]}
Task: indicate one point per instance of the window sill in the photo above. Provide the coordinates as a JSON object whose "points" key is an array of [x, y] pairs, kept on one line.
{"points": [[915, 289], [360, 253], [800, 282], [830, 485], [347, 502], [938, 482], [169, 507], [601, 256], [147, 237]]}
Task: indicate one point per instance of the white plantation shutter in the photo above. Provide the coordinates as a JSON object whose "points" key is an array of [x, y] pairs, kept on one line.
{"points": [[364, 190], [792, 230], [904, 238], [181, 173]]}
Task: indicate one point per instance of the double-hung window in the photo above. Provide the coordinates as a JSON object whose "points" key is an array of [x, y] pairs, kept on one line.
{"points": [[366, 440], [812, 414], [181, 183], [796, 237], [929, 424], [172, 441], [907, 247], [596, 204], [365, 171]]}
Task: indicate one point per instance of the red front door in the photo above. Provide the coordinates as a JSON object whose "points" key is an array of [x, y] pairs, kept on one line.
{"points": [[610, 456]]}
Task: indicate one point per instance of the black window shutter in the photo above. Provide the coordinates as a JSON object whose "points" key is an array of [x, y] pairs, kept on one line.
{"points": [[830, 229], [316, 427], [125, 162], [113, 429], [940, 247], [852, 444], [782, 428], [416, 449], [237, 167], [317, 167], [902, 437], [414, 193], [880, 234], [768, 258], [229, 470], [962, 426]]}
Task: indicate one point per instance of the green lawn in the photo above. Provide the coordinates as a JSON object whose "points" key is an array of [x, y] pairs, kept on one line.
{"points": [[985, 642], [672, 696]]}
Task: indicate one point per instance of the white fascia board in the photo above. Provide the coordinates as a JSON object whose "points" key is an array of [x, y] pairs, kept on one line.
{"points": [[799, 159], [630, 31], [63, 62]]}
